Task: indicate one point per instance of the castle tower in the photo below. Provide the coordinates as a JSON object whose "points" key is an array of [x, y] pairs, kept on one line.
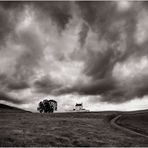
{"points": [[78, 107]]}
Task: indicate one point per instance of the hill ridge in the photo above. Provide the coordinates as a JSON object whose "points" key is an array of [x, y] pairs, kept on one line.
{"points": [[10, 109]]}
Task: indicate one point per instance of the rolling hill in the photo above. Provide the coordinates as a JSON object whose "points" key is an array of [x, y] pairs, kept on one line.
{"points": [[10, 109]]}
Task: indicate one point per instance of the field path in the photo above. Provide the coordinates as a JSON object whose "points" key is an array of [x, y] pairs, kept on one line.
{"points": [[114, 123]]}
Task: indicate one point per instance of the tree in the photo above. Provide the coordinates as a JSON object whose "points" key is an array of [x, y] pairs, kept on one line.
{"points": [[40, 107], [47, 106]]}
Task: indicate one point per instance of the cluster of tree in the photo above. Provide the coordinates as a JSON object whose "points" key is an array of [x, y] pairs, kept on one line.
{"points": [[47, 106]]}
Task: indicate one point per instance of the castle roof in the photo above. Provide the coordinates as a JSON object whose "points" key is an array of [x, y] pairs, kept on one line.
{"points": [[78, 104]]}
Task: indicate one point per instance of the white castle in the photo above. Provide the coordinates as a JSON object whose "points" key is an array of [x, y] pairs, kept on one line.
{"points": [[79, 108]]}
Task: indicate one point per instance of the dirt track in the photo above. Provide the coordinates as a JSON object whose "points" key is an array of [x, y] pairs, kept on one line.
{"points": [[116, 125]]}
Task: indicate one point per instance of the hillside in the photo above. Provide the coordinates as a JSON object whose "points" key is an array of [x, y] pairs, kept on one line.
{"points": [[10, 109]]}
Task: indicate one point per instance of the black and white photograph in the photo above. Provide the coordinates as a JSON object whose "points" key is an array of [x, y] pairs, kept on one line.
{"points": [[74, 73]]}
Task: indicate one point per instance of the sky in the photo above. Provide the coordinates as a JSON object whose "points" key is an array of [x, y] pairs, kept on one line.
{"points": [[93, 53]]}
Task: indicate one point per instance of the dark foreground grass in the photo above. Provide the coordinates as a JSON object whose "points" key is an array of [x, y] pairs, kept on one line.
{"points": [[63, 129], [135, 121]]}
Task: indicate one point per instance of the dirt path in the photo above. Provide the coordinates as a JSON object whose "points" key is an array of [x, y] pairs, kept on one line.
{"points": [[114, 123]]}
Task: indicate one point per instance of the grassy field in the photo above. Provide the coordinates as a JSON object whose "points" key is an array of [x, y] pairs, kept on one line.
{"points": [[137, 122], [64, 129]]}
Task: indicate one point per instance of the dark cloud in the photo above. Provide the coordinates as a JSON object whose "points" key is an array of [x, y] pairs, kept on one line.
{"points": [[59, 12], [32, 54], [46, 85], [139, 88], [101, 87], [99, 64], [8, 18], [102, 17], [7, 5], [11, 83], [83, 33], [6, 97], [6, 25], [18, 85]]}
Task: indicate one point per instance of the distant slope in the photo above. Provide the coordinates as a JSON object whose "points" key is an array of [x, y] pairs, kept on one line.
{"points": [[9, 109]]}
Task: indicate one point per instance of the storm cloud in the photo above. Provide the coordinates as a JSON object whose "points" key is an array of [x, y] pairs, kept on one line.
{"points": [[93, 50], [6, 97]]}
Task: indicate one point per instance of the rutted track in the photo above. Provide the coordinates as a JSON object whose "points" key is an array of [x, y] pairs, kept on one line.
{"points": [[114, 123]]}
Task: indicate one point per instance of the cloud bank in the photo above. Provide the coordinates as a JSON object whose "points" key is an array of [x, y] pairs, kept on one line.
{"points": [[94, 52]]}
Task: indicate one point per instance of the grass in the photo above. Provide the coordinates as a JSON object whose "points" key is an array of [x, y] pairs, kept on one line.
{"points": [[137, 122], [63, 129]]}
